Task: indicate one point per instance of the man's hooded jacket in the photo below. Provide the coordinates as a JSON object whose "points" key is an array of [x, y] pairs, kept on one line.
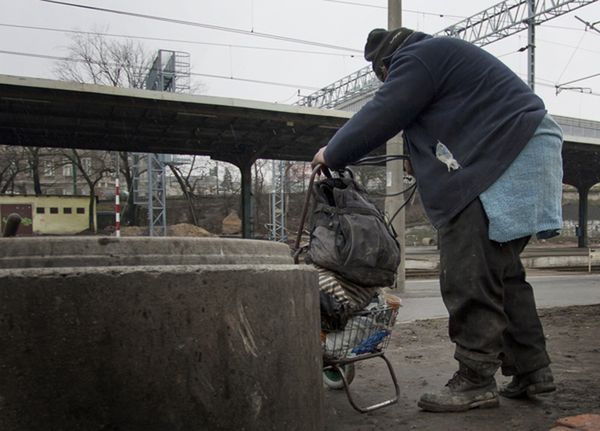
{"points": [[442, 90]]}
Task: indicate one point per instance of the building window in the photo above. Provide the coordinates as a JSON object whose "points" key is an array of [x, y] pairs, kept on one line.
{"points": [[40, 210], [86, 164], [67, 211], [53, 210], [48, 167], [80, 210], [67, 169]]}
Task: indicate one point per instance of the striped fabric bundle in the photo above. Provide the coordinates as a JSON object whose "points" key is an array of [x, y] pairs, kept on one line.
{"points": [[353, 296]]}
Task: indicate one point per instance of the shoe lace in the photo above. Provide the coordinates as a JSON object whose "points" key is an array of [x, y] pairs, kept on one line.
{"points": [[455, 380]]}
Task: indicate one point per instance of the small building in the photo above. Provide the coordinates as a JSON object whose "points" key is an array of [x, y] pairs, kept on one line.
{"points": [[48, 215]]}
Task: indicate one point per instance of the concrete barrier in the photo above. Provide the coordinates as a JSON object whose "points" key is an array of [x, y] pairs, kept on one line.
{"points": [[54, 252], [210, 346]]}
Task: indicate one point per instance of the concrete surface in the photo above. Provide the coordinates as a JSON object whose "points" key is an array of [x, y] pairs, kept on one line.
{"points": [[159, 348], [55, 252]]}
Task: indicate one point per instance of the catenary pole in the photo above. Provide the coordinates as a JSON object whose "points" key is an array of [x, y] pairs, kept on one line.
{"points": [[394, 169], [531, 44]]}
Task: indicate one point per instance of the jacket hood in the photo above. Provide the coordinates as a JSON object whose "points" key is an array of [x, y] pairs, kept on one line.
{"points": [[382, 44]]}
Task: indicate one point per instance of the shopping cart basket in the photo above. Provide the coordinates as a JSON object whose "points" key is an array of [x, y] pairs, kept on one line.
{"points": [[365, 336]]}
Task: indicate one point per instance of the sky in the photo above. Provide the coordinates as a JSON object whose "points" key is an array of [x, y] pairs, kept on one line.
{"points": [[274, 50]]}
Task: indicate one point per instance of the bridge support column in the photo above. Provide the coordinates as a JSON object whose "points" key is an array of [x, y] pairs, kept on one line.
{"points": [[247, 200], [582, 234], [244, 161]]}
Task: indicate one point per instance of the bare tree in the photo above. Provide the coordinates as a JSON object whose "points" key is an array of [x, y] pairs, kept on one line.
{"points": [[34, 155], [94, 58], [296, 176], [92, 169], [187, 187], [11, 165]]}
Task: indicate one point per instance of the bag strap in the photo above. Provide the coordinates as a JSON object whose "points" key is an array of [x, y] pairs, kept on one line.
{"points": [[316, 170], [348, 210]]}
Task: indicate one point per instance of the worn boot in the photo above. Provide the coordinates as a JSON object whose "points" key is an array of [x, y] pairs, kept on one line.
{"points": [[528, 384], [466, 390]]}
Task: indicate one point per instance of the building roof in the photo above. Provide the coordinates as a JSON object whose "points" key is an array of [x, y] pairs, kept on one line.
{"points": [[49, 113], [41, 112]]}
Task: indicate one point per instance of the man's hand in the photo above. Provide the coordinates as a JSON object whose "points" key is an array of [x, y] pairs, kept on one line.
{"points": [[318, 159]]}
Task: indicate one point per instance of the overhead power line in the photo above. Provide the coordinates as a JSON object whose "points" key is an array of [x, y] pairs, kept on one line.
{"points": [[591, 26], [581, 79], [233, 78], [419, 12], [161, 39], [256, 81], [208, 26]]}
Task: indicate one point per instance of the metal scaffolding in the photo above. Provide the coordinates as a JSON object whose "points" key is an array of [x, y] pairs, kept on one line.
{"points": [[277, 230], [497, 22], [170, 72], [157, 195]]}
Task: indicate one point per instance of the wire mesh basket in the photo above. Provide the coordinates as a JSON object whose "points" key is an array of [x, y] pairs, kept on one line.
{"points": [[365, 336], [366, 332]]}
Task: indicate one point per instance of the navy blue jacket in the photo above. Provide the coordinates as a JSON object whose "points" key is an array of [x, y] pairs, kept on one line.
{"points": [[448, 90]]}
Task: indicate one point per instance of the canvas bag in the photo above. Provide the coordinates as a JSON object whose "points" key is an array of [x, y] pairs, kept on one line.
{"points": [[349, 235]]}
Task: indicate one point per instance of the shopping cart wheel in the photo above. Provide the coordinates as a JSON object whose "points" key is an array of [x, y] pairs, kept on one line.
{"points": [[333, 379]]}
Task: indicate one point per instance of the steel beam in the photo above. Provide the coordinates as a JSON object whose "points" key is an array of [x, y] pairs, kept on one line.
{"points": [[497, 22]]}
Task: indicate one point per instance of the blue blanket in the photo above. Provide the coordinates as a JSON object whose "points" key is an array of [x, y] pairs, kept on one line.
{"points": [[526, 199]]}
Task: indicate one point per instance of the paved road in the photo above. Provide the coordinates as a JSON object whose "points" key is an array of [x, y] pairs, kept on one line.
{"points": [[422, 300]]}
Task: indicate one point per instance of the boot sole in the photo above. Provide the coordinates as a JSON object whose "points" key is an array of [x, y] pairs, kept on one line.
{"points": [[437, 408], [529, 391]]}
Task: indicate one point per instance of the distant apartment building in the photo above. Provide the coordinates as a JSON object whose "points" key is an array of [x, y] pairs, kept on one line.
{"points": [[59, 176]]}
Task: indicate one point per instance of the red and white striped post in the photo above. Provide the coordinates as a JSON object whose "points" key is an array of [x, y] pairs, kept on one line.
{"points": [[117, 209]]}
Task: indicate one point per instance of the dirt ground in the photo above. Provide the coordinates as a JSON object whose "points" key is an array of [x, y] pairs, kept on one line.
{"points": [[422, 358]]}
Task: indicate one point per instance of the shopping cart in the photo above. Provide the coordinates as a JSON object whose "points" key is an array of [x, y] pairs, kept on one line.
{"points": [[365, 336]]}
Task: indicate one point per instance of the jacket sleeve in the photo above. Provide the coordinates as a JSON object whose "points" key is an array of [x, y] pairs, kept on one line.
{"points": [[408, 90]]}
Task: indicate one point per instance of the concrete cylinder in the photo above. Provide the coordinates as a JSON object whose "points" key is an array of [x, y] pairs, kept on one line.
{"points": [[210, 334]]}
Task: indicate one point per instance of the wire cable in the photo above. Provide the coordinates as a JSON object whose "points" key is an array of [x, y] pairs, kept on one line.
{"points": [[76, 60], [380, 160], [440, 15], [571, 58], [406, 202], [160, 39], [256, 81], [208, 26]]}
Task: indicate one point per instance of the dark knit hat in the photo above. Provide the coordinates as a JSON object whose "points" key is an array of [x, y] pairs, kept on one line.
{"points": [[381, 44]]}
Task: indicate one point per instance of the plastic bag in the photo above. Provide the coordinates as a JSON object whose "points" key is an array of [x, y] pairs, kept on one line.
{"points": [[444, 155]]}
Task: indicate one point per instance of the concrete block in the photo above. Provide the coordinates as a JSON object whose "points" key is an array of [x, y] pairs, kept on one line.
{"points": [[57, 252], [160, 348]]}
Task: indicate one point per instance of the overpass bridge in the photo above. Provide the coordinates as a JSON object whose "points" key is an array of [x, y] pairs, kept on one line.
{"points": [[48, 113]]}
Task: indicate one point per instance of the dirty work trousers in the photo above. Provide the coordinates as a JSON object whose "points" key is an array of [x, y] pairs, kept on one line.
{"points": [[493, 317]]}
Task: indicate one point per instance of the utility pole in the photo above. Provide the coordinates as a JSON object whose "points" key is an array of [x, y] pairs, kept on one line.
{"points": [[394, 170], [531, 44]]}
